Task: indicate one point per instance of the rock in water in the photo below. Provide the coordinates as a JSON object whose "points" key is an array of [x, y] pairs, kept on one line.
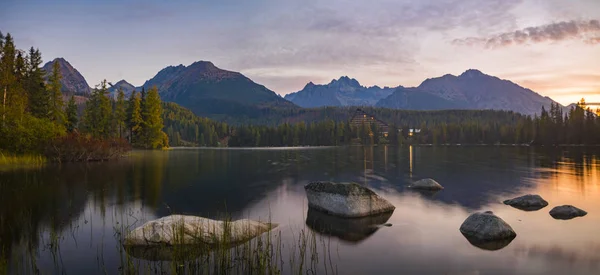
{"points": [[426, 184], [190, 230], [566, 212], [527, 202], [345, 199], [487, 231]]}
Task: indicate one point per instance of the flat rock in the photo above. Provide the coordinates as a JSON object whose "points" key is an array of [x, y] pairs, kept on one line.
{"points": [[192, 230], [345, 199], [487, 231], [426, 184], [566, 212], [527, 202]]}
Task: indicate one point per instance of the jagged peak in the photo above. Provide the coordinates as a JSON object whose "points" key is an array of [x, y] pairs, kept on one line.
{"points": [[471, 73], [346, 80], [208, 64], [122, 81], [60, 60]]}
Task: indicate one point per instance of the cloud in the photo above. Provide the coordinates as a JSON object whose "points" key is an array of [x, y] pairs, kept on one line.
{"points": [[560, 31]]}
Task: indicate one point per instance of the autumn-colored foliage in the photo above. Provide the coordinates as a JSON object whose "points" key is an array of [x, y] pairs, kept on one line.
{"points": [[75, 147]]}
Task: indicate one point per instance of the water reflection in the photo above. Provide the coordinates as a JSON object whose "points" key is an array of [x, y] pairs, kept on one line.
{"points": [[70, 212], [352, 230]]}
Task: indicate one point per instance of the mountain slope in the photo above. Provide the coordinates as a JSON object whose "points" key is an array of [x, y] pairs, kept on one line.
{"points": [[417, 99], [72, 81], [344, 91], [210, 91], [127, 88], [476, 90]]}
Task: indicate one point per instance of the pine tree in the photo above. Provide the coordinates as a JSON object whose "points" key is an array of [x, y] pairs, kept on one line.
{"points": [[152, 120], [39, 98], [98, 111], [56, 101], [134, 118], [120, 113], [71, 113], [8, 81]]}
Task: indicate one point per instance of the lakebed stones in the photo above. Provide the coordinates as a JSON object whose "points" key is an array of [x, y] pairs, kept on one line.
{"points": [[566, 212], [192, 230], [527, 202], [487, 231], [345, 199], [426, 184]]}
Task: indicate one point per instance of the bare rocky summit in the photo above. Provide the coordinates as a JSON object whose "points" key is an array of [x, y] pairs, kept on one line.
{"points": [[73, 83]]}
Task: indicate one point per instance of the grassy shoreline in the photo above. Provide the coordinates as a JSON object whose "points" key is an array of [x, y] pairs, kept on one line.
{"points": [[22, 160]]}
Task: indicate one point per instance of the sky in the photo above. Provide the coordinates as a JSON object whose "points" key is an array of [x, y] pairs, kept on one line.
{"points": [[549, 46]]}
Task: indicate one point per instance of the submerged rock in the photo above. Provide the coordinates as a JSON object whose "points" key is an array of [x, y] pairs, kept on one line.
{"points": [[426, 184], [487, 231], [527, 202], [347, 229], [566, 212], [191, 230], [345, 199]]}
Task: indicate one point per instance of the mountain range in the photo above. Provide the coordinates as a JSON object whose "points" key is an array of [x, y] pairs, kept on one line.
{"points": [[213, 92], [470, 90], [344, 91]]}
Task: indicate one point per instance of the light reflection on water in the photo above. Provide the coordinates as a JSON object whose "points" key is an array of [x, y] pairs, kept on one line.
{"points": [[87, 202]]}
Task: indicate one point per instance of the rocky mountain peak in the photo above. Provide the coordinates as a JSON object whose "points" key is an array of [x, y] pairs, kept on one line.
{"points": [[72, 81], [345, 81], [472, 73]]}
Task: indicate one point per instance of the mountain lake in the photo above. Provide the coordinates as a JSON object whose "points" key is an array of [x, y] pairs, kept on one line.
{"points": [[71, 218]]}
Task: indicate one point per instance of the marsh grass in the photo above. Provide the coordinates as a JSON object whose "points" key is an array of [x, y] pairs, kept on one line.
{"points": [[282, 250], [21, 160], [221, 255]]}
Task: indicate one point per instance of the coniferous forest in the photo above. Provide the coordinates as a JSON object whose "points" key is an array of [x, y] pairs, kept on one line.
{"points": [[37, 119]]}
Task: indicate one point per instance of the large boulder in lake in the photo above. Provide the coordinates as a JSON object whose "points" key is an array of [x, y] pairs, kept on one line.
{"points": [[487, 231], [192, 230], [352, 230], [426, 184], [566, 212], [527, 202], [345, 199]]}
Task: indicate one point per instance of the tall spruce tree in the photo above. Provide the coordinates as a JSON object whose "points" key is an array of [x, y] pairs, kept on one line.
{"points": [[134, 118], [98, 111], [120, 113], [71, 113], [152, 134], [39, 98], [8, 81], [56, 101]]}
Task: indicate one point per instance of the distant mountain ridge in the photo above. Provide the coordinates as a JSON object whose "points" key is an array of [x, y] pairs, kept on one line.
{"points": [[470, 90], [127, 88], [476, 90], [72, 81], [344, 91], [211, 91]]}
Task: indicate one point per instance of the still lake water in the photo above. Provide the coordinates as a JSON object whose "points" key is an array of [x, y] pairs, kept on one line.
{"points": [[80, 205]]}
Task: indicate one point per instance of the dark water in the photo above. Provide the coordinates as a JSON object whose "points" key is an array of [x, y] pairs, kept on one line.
{"points": [[63, 219]]}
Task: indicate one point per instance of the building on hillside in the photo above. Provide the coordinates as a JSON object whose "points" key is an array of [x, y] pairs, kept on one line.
{"points": [[360, 117]]}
